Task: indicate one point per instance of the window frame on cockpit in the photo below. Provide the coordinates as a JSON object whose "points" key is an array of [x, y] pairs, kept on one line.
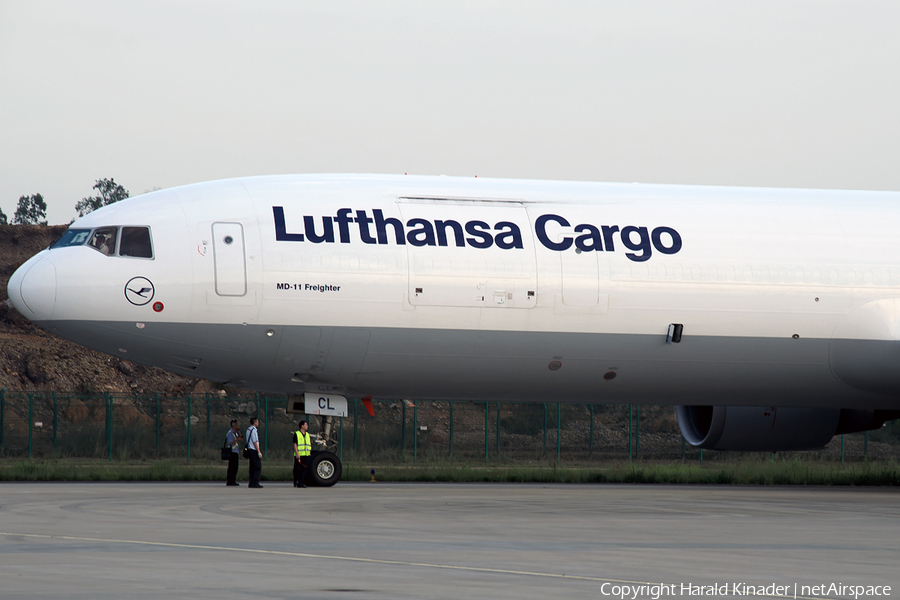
{"points": [[105, 231], [145, 244], [122, 239], [64, 240]]}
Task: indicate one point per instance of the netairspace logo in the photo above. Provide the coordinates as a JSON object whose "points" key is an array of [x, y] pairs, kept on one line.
{"points": [[640, 241], [741, 589]]}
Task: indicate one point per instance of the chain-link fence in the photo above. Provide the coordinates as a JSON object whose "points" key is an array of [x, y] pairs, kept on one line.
{"points": [[122, 427]]}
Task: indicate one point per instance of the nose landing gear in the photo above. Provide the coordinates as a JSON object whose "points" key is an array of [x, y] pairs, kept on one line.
{"points": [[325, 467]]}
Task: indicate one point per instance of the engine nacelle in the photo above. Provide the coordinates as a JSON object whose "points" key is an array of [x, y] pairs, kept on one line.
{"points": [[772, 429]]}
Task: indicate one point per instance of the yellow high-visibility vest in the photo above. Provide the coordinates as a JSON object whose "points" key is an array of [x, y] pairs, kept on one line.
{"points": [[303, 444]]}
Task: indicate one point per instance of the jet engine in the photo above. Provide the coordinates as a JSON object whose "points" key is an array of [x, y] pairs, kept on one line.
{"points": [[772, 429]]}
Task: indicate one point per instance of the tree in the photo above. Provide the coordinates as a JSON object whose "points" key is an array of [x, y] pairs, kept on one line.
{"points": [[110, 192], [3, 220], [32, 210]]}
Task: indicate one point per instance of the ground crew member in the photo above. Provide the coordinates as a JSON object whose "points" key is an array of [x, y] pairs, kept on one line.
{"points": [[302, 449]]}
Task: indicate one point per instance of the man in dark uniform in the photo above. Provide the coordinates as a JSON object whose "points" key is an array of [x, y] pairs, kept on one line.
{"points": [[233, 439], [302, 449]]}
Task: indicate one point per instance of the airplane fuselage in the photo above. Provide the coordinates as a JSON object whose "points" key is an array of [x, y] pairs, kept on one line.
{"points": [[458, 288]]}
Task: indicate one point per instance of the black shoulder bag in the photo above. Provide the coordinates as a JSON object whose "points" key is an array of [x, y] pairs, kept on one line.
{"points": [[226, 449]]}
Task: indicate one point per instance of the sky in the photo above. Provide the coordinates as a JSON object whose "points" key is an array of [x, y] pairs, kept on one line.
{"points": [[165, 93]]}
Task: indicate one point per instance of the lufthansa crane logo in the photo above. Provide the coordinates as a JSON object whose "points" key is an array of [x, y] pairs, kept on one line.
{"points": [[139, 291]]}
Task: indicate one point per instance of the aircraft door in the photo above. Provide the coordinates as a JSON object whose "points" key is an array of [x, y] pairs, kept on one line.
{"points": [[474, 253], [230, 259]]}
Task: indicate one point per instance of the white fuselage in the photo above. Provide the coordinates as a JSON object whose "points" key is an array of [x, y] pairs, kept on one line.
{"points": [[457, 288]]}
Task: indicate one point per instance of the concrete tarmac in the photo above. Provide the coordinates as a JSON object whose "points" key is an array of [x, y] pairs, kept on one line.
{"points": [[454, 541]]}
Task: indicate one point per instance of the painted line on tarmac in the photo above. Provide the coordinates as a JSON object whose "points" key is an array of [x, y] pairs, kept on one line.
{"points": [[371, 561]]}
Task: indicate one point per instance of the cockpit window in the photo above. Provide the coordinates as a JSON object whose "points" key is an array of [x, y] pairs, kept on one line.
{"points": [[104, 240], [72, 237], [136, 242]]}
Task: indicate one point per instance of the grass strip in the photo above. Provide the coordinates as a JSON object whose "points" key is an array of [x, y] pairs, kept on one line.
{"points": [[792, 472]]}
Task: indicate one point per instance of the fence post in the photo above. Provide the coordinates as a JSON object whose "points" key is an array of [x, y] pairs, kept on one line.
{"points": [[486, 419], [341, 441], [545, 429], [30, 421], [403, 426], [865, 441], [109, 415], [55, 420], [208, 430], [266, 429], [415, 430], [157, 424], [558, 428], [106, 422], [842, 448], [355, 423], [637, 432], [189, 427], [2, 412], [498, 430], [630, 427], [451, 428], [591, 438]]}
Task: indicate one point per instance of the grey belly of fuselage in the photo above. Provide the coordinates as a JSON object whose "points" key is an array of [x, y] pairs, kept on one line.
{"points": [[509, 366]]}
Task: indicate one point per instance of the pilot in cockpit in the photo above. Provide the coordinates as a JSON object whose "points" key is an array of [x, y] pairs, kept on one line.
{"points": [[103, 243], [104, 240]]}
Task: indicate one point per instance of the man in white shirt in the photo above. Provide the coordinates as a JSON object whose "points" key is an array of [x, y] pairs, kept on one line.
{"points": [[255, 453]]}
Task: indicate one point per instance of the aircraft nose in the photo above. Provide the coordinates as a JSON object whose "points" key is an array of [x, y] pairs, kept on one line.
{"points": [[32, 289]]}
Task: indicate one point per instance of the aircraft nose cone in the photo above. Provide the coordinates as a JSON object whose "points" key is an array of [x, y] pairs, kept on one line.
{"points": [[32, 289]]}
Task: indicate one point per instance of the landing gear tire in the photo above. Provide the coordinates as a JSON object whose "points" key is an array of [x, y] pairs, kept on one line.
{"points": [[324, 469]]}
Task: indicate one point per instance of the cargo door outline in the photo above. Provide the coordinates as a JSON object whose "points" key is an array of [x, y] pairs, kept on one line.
{"points": [[230, 258], [453, 275]]}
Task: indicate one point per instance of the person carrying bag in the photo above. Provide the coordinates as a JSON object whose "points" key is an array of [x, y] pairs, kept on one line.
{"points": [[255, 454], [230, 452]]}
